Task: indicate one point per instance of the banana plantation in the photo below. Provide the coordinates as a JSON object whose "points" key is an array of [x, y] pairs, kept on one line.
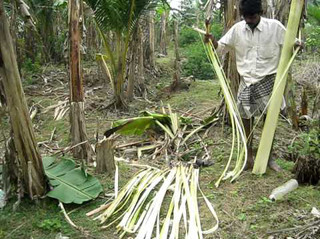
{"points": [[165, 119]]}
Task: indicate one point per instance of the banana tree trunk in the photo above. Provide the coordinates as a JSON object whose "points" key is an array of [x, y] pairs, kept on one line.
{"points": [[140, 59], [10, 169], [131, 77], [176, 50], [231, 10], [119, 98], [163, 33], [92, 42], [77, 118], [33, 180], [132, 67], [150, 47], [291, 106], [268, 7], [30, 44], [13, 25], [176, 40]]}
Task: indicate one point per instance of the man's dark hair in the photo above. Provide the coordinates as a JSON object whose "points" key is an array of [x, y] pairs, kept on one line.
{"points": [[250, 7]]}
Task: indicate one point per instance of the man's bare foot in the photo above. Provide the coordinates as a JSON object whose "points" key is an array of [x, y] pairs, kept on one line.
{"points": [[274, 166]]}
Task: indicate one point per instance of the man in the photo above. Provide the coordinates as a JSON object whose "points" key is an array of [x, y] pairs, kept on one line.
{"points": [[257, 42]]}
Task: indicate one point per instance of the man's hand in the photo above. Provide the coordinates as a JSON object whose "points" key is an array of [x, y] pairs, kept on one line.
{"points": [[207, 38], [300, 44]]}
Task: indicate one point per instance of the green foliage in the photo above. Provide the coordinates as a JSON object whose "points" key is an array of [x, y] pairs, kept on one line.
{"points": [[216, 30], [31, 67], [314, 13], [60, 3], [307, 145], [285, 164], [313, 36], [264, 200], [188, 12], [161, 8], [188, 36], [70, 184], [312, 27], [50, 224], [197, 63], [118, 15], [242, 217], [50, 16]]}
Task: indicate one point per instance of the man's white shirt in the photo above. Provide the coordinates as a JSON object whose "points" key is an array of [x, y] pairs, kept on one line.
{"points": [[257, 52]]}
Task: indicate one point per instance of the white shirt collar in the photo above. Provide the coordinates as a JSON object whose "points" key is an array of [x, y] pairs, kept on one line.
{"points": [[258, 27]]}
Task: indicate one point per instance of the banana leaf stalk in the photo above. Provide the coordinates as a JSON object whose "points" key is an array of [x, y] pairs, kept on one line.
{"points": [[270, 125], [150, 219], [124, 193], [275, 87], [239, 139]]}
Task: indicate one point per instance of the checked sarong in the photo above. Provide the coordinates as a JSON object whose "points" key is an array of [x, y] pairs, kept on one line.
{"points": [[253, 99]]}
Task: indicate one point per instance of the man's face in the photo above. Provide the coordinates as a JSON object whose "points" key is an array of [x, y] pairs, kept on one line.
{"points": [[252, 20]]}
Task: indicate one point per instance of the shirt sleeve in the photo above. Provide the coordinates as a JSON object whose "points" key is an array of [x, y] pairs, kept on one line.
{"points": [[281, 31], [226, 43], [281, 34]]}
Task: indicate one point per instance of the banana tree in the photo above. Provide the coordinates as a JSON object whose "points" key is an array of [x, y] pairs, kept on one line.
{"points": [[50, 27], [77, 117], [119, 17], [164, 13], [32, 177], [231, 11]]}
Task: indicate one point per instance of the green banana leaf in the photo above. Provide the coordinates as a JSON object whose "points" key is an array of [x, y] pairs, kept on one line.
{"points": [[70, 184], [132, 126], [138, 125], [165, 118]]}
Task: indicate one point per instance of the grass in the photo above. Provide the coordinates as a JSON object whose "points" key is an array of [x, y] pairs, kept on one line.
{"points": [[43, 220], [287, 165], [201, 95], [245, 204]]}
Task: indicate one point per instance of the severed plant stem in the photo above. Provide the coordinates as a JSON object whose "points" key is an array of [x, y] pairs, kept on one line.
{"points": [[71, 223]]}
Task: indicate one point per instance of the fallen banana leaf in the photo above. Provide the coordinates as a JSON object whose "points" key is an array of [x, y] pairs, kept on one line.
{"points": [[133, 126], [70, 183], [138, 125]]}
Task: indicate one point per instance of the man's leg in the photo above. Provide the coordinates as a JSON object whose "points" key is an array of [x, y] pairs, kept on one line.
{"points": [[271, 163], [248, 126]]}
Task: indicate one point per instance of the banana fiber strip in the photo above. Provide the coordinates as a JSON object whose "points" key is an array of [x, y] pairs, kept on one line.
{"points": [[139, 204], [239, 139]]}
